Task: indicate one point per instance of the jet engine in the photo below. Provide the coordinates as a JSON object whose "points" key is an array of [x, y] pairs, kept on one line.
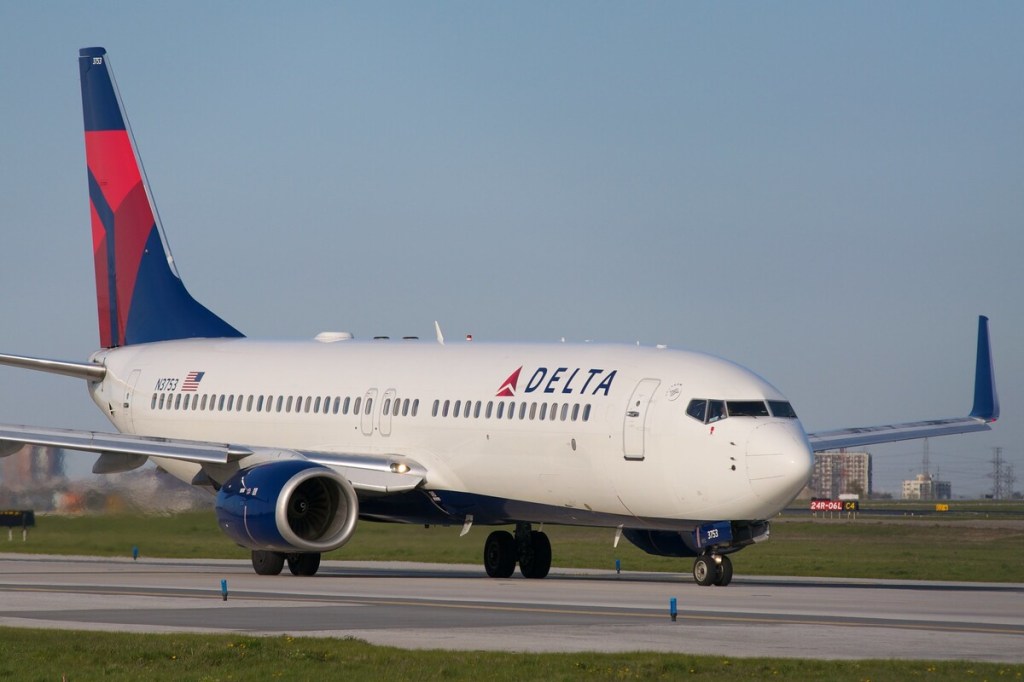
{"points": [[288, 506]]}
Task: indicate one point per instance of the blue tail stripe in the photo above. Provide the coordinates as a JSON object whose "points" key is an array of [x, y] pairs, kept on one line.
{"points": [[100, 113], [162, 308]]}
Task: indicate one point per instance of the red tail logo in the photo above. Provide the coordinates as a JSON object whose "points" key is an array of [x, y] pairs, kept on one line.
{"points": [[508, 388]]}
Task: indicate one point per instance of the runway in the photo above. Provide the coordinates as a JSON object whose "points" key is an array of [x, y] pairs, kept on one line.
{"points": [[458, 607]]}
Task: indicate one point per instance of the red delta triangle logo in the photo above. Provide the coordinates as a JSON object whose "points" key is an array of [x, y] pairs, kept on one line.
{"points": [[508, 387]]}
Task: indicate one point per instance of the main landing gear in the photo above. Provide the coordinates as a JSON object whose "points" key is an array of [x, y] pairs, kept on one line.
{"points": [[272, 563], [531, 548], [712, 569]]}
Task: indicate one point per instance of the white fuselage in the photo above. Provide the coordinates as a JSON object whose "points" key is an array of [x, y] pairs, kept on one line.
{"points": [[594, 429]]}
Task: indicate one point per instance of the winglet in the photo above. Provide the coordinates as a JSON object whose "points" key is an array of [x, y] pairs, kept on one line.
{"points": [[986, 402]]}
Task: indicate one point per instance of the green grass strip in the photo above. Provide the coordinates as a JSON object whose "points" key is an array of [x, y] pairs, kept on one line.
{"points": [[27, 655]]}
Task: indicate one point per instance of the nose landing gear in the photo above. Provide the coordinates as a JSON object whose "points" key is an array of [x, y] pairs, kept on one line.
{"points": [[712, 569]]}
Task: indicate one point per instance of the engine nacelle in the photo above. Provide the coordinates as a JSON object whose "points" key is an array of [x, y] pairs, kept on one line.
{"points": [[288, 506]]}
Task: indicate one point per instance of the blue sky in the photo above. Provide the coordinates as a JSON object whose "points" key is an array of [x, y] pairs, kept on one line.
{"points": [[827, 193]]}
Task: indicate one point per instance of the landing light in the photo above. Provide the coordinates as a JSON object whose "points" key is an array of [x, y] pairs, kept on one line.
{"points": [[399, 468]]}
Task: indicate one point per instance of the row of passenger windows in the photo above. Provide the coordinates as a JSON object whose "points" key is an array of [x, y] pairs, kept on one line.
{"points": [[229, 402], [710, 411], [508, 410], [269, 403]]}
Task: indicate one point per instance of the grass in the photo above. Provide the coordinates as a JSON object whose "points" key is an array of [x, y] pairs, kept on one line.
{"points": [[920, 548], [28, 655]]}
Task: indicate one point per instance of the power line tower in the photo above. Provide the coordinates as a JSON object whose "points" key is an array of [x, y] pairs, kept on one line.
{"points": [[998, 475]]}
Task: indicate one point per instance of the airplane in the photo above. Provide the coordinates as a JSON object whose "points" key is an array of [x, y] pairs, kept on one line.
{"points": [[683, 453]]}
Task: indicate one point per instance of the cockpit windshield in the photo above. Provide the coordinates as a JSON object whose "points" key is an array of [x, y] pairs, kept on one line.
{"points": [[709, 410]]}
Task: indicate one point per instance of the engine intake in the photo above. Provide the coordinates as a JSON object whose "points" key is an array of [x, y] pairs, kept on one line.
{"points": [[288, 506]]}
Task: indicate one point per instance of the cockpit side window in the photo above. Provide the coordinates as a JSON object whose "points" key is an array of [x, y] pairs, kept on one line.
{"points": [[716, 411], [697, 409], [781, 408]]}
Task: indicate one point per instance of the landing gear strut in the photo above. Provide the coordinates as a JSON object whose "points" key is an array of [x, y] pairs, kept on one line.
{"points": [[530, 548], [712, 569]]}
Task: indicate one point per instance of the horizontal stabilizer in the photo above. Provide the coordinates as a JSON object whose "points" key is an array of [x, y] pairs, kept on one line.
{"points": [[79, 370]]}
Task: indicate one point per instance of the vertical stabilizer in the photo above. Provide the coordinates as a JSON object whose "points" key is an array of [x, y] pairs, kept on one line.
{"points": [[139, 295]]}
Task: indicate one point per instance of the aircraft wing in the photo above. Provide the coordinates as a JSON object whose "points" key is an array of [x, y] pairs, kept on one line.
{"points": [[984, 411], [123, 452]]}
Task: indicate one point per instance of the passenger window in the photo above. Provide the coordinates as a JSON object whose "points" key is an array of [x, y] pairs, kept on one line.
{"points": [[152, 404], [565, 411], [543, 412], [337, 405], [405, 407], [468, 407], [415, 406], [356, 404], [433, 411], [162, 400], [501, 410], [476, 410], [553, 414], [586, 412], [489, 410], [345, 405], [575, 412], [280, 402], [369, 405], [202, 406], [231, 401], [387, 405], [455, 410], [522, 411], [394, 411], [445, 407], [316, 405]]}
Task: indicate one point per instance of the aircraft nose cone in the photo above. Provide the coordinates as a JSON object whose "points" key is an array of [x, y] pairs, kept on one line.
{"points": [[779, 462]]}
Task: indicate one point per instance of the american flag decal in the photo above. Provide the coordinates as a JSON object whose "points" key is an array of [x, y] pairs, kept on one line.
{"points": [[191, 382]]}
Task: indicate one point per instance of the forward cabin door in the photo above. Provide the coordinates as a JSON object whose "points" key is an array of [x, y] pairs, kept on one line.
{"points": [[634, 426]]}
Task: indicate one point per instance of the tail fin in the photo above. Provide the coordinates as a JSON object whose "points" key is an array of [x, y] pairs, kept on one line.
{"points": [[139, 295]]}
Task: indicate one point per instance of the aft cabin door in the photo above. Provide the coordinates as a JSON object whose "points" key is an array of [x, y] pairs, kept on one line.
{"points": [[635, 424], [129, 395]]}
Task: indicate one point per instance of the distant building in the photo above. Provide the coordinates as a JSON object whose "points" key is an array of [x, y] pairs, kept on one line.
{"points": [[924, 487], [31, 466], [838, 473]]}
